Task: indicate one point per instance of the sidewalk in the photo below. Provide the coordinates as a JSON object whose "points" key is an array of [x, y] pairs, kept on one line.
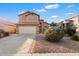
{"points": [[26, 48]]}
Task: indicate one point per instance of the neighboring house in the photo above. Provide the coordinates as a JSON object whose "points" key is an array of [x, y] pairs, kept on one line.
{"points": [[1, 26], [66, 24], [11, 28], [60, 25], [30, 22], [43, 26], [46, 25], [7, 26], [73, 23]]}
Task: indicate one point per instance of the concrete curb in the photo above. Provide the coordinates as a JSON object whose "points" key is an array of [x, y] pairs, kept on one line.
{"points": [[49, 54]]}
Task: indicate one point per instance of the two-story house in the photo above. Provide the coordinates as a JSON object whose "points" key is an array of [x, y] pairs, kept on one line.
{"points": [[66, 24], [43, 26], [75, 21], [30, 23], [72, 22]]}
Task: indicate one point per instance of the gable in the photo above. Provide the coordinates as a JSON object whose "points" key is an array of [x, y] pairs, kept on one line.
{"points": [[29, 18], [27, 13]]}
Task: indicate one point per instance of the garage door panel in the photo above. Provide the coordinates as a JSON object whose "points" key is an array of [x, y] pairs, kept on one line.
{"points": [[27, 29]]}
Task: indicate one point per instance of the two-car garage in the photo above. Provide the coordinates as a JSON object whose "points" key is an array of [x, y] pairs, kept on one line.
{"points": [[27, 29]]}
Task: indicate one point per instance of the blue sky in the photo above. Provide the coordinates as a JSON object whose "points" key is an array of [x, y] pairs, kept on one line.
{"points": [[50, 12]]}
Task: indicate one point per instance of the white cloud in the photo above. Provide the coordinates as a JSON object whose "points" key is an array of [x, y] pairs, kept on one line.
{"points": [[69, 13], [41, 10], [54, 16], [59, 20], [52, 6], [21, 12], [69, 6], [34, 9]]}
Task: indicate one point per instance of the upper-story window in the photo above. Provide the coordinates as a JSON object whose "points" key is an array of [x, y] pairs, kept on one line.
{"points": [[31, 17], [27, 18], [34, 17]]}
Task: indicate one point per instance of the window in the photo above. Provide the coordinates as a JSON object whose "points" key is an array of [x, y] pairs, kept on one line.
{"points": [[27, 18], [33, 17]]}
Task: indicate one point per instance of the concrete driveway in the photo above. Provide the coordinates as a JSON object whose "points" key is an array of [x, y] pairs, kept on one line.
{"points": [[16, 44]]}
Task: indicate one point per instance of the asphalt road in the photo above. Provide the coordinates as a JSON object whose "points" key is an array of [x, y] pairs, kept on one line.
{"points": [[16, 44]]}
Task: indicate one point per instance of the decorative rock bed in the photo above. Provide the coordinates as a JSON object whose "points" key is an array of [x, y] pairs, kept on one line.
{"points": [[64, 46]]}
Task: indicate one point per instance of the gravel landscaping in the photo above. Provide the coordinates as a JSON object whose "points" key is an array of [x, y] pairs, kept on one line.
{"points": [[66, 45]]}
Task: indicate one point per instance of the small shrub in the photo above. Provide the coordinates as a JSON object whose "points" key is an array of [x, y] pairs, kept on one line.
{"points": [[6, 34], [53, 35], [70, 32], [1, 33], [75, 37]]}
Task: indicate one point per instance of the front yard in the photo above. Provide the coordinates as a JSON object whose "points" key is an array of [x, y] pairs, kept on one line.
{"points": [[66, 45]]}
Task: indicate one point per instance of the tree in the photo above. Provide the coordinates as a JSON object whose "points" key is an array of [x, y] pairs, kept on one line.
{"points": [[53, 24]]}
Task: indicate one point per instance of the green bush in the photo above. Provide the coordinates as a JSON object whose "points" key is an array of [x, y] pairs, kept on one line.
{"points": [[70, 32], [53, 35], [75, 37]]}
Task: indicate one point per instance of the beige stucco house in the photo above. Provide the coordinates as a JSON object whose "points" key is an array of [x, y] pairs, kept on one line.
{"points": [[72, 22], [75, 21], [7, 26], [30, 23]]}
